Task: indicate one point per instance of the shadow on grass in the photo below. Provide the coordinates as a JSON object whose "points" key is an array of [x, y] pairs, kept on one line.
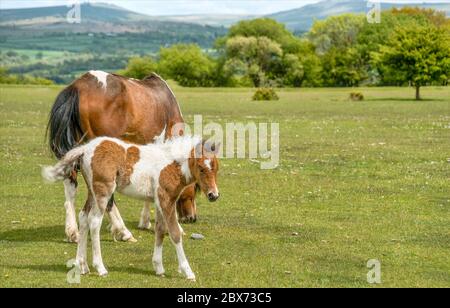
{"points": [[57, 268], [41, 234], [398, 99]]}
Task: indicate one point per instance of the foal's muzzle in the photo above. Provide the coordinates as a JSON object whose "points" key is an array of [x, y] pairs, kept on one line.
{"points": [[212, 197]]}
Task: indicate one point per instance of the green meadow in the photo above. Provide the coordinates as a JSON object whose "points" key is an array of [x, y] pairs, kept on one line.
{"points": [[356, 181]]}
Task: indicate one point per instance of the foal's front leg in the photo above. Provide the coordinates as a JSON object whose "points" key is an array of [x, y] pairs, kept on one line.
{"points": [[168, 208]]}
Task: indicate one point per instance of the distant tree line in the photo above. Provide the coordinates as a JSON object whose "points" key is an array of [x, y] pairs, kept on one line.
{"points": [[411, 46], [7, 78]]}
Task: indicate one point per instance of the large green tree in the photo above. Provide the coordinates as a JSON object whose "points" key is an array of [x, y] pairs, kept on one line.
{"points": [[252, 58], [188, 65], [335, 40], [420, 53], [140, 68]]}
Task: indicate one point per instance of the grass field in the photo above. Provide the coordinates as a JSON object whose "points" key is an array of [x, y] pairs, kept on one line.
{"points": [[357, 181]]}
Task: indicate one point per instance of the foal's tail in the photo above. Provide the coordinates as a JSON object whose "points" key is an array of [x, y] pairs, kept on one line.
{"points": [[62, 170], [64, 126]]}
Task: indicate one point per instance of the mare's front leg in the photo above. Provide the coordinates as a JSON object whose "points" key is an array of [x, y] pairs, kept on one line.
{"points": [[168, 209], [144, 222], [70, 190]]}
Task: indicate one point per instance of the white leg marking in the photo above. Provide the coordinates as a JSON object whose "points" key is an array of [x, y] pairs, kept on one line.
{"points": [[95, 224], [145, 223], [71, 220], [158, 260], [184, 266], [82, 244]]}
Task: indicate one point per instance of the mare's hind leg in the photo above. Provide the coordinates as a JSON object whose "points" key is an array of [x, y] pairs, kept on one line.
{"points": [[70, 189], [144, 222], [118, 229]]}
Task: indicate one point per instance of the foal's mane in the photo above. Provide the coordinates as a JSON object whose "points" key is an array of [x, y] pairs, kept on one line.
{"points": [[178, 148]]}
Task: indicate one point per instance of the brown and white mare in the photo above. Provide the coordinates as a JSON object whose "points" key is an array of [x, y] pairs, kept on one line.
{"points": [[156, 172], [138, 111]]}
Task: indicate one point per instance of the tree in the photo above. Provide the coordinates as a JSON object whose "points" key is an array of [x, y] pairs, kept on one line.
{"points": [[372, 37], [252, 57], [188, 65], [335, 40], [421, 53], [140, 68], [266, 27]]}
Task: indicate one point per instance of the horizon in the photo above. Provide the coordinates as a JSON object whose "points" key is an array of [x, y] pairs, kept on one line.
{"points": [[177, 7], [196, 7]]}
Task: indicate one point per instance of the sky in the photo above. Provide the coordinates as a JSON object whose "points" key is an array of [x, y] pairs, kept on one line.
{"points": [[179, 7], [186, 7]]}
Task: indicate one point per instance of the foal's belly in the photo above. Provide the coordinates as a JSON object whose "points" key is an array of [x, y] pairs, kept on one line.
{"points": [[142, 188]]}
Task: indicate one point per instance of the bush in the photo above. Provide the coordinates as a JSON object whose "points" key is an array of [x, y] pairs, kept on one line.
{"points": [[356, 96], [265, 94]]}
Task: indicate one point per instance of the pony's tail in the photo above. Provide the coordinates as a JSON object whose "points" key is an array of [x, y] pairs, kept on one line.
{"points": [[62, 170], [64, 126]]}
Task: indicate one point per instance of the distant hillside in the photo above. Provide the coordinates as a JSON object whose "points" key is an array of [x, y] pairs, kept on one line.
{"points": [[301, 19], [104, 25], [211, 20], [41, 42]]}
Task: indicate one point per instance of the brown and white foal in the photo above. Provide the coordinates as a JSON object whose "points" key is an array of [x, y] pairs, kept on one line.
{"points": [[156, 172]]}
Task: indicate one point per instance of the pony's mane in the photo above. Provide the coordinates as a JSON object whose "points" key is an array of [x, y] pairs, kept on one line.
{"points": [[178, 148]]}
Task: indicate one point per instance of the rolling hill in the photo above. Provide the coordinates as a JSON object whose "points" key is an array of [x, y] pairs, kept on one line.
{"points": [[301, 19], [40, 41]]}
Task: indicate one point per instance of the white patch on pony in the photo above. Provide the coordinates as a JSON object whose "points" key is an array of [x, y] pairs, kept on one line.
{"points": [[208, 164], [186, 171], [101, 77]]}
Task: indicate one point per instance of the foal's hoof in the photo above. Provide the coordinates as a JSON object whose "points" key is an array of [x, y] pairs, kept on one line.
{"points": [[146, 226], [103, 273], [191, 279], [131, 240], [123, 236], [84, 268], [72, 235]]}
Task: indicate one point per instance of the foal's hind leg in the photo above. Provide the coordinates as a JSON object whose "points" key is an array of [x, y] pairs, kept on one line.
{"points": [[70, 189], [83, 239], [103, 193], [118, 229]]}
